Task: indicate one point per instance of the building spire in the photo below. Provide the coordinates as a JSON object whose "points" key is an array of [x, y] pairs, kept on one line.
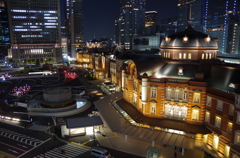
{"points": [[190, 15]]}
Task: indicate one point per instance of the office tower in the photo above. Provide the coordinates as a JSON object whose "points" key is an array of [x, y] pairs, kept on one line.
{"points": [[151, 23], [222, 20], [168, 26], [34, 31], [131, 21], [74, 25], [190, 11], [4, 30]]}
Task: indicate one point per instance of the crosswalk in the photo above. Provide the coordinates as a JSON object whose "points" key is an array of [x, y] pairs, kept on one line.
{"points": [[70, 151], [38, 128], [20, 137]]}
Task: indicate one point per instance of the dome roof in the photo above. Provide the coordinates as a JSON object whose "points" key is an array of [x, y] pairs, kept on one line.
{"points": [[189, 38]]}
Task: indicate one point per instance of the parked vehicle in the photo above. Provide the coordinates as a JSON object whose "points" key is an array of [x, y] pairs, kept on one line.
{"points": [[100, 152]]}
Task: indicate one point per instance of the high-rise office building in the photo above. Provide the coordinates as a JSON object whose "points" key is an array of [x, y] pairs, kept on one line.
{"points": [[222, 20], [151, 23], [74, 25], [34, 31], [4, 30], [190, 11], [131, 21]]}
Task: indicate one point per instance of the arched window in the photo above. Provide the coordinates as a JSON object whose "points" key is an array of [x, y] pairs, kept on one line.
{"points": [[203, 56]]}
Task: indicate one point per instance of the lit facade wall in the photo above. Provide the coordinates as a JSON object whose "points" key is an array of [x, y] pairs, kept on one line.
{"points": [[84, 59], [35, 31], [190, 101]]}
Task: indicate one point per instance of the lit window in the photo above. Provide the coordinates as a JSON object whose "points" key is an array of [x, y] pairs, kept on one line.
{"points": [[195, 113], [189, 56], [237, 100], [153, 108], [203, 56], [168, 93], [205, 138], [135, 98], [207, 117], [219, 105], [180, 71], [237, 137], [210, 55], [154, 93], [217, 121], [184, 55], [209, 101], [229, 128], [226, 150], [185, 96], [180, 55], [206, 55], [215, 142], [231, 109], [177, 92], [238, 117], [196, 98]]}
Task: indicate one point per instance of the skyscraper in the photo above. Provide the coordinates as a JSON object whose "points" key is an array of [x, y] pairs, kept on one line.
{"points": [[4, 30], [74, 25], [34, 31], [190, 10], [151, 23], [222, 20], [131, 21]]}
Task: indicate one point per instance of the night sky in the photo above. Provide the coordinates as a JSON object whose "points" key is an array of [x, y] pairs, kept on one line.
{"points": [[99, 15]]}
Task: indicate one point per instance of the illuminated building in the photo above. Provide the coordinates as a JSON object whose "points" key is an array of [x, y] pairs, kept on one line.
{"points": [[34, 31], [151, 23], [4, 30], [74, 25], [146, 43], [222, 20], [131, 21], [190, 10], [189, 92]]}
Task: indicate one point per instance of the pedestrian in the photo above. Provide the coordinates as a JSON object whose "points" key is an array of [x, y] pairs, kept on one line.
{"points": [[175, 154]]}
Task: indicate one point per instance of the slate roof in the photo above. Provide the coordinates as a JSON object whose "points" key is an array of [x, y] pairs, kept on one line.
{"points": [[83, 122], [222, 76]]}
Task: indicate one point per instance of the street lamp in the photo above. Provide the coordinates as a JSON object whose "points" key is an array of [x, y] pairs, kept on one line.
{"points": [[94, 143]]}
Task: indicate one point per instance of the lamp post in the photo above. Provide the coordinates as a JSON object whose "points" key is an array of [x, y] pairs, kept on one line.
{"points": [[94, 137]]}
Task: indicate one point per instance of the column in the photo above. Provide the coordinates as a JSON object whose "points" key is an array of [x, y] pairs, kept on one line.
{"points": [[123, 79]]}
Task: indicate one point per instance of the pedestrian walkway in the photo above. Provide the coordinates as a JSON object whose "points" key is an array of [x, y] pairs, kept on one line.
{"points": [[66, 151], [20, 137], [38, 128]]}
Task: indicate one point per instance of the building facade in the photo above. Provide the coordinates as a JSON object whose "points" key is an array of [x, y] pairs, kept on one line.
{"points": [[4, 30], [131, 21], [190, 10], [74, 26], [184, 86], [34, 31], [221, 20]]}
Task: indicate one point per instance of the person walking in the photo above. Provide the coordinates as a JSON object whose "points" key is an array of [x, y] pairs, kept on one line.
{"points": [[175, 154]]}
